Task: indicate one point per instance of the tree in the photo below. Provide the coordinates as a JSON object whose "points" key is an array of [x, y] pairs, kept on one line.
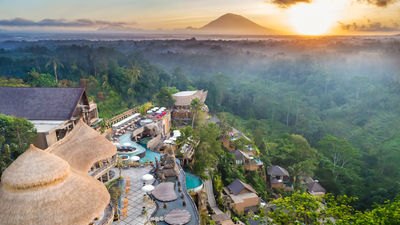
{"points": [[16, 134], [164, 98], [195, 107], [54, 63]]}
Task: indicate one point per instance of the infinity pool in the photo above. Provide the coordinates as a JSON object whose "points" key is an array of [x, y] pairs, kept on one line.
{"points": [[192, 181]]}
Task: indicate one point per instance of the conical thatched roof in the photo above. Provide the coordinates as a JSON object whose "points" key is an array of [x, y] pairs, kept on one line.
{"points": [[41, 188], [83, 147]]}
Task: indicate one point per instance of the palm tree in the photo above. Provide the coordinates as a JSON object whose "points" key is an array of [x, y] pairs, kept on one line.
{"points": [[133, 75], [195, 107], [54, 62]]}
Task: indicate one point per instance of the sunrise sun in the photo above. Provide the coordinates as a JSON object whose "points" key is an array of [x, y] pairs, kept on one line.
{"points": [[313, 19]]}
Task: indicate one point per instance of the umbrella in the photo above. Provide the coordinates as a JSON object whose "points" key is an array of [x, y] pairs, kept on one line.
{"points": [[134, 158], [147, 188], [127, 144], [147, 177], [117, 144]]}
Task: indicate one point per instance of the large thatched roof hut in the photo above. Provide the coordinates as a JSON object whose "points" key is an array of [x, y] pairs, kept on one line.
{"points": [[83, 147], [41, 188]]}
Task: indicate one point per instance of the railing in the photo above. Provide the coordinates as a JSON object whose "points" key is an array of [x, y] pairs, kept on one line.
{"points": [[120, 117], [103, 168]]}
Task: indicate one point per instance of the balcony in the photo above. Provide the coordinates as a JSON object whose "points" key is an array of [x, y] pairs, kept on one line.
{"points": [[101, 168]]}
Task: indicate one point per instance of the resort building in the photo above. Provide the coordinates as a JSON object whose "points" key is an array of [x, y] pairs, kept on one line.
{"points": [[249, 163], [181, 113], [279, 178], [87, 151], [241, 197], [314, 187], [41, 188], [53, 111]]}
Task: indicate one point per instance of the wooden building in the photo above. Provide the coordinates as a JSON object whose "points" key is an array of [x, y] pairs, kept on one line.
{"points": [[53, 111], [241, 197]]}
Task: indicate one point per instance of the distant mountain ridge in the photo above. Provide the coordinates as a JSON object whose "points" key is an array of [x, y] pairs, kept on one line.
{"points": [[235, 24]]}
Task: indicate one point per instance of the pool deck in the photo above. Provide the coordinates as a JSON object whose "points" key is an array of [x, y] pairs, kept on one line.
{"points": [[135, 198]]}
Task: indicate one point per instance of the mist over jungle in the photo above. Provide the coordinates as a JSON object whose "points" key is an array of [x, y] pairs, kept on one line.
{"points": [[346, 88]]}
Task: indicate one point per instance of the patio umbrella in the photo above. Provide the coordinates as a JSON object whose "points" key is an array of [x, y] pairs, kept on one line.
{"points": [[147, 177], [147, 188], [134, 158]]}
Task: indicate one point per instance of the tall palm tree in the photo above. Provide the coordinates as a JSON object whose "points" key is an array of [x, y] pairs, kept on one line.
{"points": [[195, 106], [133, 75], [54, 62]]}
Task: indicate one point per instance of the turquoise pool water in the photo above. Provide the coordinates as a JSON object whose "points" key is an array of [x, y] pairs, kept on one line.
{"points": [[192, 181], [150, 155]]}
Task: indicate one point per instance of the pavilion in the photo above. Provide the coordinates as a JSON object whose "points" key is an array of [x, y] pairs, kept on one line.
{"points": [[42, 188]]}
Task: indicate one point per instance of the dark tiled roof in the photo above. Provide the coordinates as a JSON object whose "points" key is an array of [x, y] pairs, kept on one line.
{"points": [[39, 103], [315, 187], [237, 186], [277, 171]]}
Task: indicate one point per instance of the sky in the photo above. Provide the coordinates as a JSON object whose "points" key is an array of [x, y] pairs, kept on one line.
{"points": [[313, 17]]}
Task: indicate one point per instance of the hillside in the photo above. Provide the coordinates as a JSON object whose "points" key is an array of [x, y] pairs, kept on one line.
{"points": [[235, 24]]}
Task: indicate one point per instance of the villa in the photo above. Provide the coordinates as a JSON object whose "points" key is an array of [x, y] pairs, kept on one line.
{"points": [[250, 163], [53, 111], [241, 197], [181, 113], [279, 178], [314, 187]]}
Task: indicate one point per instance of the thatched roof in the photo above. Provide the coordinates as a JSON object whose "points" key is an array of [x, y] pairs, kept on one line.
{"points": [[315, 187], [184, 98], [165, 192], [277, 171], [41, 103], [41, 188], [83, 147], [177, 217]]}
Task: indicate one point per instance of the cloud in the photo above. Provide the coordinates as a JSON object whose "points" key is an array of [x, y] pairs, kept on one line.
{"points": [[287, 3], [380, 3], [21, 22], [370, 26]]}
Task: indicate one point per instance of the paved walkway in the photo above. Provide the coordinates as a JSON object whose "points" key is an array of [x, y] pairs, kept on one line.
{"points": [[211, 198], [136, 200]]}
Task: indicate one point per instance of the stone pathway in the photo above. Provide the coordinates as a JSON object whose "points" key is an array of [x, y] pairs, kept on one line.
{"points": [[136, 199]]}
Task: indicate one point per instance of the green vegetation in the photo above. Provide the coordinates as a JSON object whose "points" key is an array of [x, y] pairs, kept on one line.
{"points": [[302, 208], [15, 136]]}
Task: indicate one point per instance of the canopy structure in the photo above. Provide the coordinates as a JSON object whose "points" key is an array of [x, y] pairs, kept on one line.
{"points": [[41, 188], [165, 192], [134, 158], [83, 147], [147, 177], [177, 217], [125, 121], [147, 188]]}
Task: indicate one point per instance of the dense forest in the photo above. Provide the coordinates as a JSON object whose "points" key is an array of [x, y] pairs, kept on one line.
{"points": [[330, 112]]}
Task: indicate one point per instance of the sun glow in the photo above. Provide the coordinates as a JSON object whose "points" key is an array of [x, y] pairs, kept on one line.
{"points": [[314, 18]]}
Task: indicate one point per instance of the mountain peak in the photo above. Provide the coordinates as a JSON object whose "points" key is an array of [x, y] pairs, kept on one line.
{"points": [[230, 23]]}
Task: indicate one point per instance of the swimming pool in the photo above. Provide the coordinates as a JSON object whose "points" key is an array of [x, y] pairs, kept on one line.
{"points": [[150, 155], [192, 181]]}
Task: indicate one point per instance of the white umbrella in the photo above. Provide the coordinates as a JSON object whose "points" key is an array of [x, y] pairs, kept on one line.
{"points": [[134, 158], [127, 144], [147, 177], [117, 144], [148, 188]]}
